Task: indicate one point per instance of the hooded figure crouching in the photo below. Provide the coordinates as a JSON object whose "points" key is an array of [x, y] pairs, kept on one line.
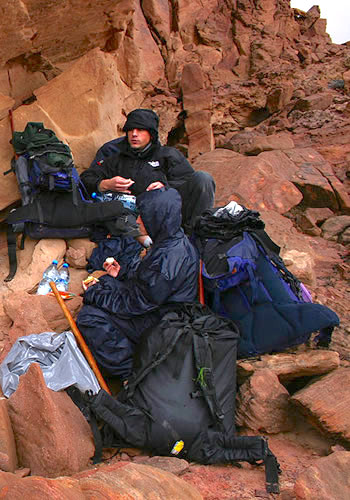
{"points": [[117, 311]]}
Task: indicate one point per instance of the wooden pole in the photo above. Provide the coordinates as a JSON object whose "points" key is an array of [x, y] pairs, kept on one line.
{"points": [[200, 284], [80, 339]]}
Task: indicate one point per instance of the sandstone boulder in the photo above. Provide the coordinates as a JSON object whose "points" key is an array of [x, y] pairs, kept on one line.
{"points": [[345, 236], [289, 366], [265, 190], [6, 103], [327, 478], [315, 178], [198, 127], [35, 314], [253, 143], [334, 227], [52, 436], [76, 257], [346, 77], [136, 481], [174, 465], [93, 88], [40, 488], [326, 403], [111, 482], [237, 141], [197, 102], [263, 404], [317, 101], [8, 456], [279, 97], [139, 73], [310, 220], [36, 256], [269, 143], [301, 264], [159, 15]]}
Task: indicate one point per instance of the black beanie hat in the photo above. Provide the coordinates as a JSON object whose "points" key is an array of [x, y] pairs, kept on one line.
{"points": [[144, 119]]}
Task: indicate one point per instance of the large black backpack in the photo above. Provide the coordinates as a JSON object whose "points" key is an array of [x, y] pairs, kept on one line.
{"points": [[247, 281], [180, 399], [55, 203]]}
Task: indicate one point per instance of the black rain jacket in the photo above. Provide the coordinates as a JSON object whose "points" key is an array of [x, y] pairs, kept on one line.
{"points": [[168, 273], [157, 163], [117, 311]]}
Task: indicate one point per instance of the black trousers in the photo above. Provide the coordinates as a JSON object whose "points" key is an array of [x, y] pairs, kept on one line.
{"points": [[197, 193]]}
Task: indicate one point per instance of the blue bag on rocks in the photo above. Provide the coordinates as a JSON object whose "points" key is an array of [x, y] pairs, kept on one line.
{"points": [[246, 280]]}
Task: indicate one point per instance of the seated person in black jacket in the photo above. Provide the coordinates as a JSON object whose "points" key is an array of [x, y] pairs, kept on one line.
{"points": [[138, 162], [116, 311]]}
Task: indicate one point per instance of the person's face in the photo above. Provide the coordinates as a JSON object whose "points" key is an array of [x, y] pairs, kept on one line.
{"points": [[142, 228], [138, 138]]}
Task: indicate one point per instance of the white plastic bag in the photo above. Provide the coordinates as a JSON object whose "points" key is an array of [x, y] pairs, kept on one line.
{"points": [[60, 360]]}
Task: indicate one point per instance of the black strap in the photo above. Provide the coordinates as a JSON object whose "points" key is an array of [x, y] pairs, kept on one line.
{"points": [[23, 237], [183, 348], [97, 457], [161, 356], [51, 182], [9, 171], [272, 470], [82, 402], [261, 236], [40, 211], [12, 247], [204, 366]]}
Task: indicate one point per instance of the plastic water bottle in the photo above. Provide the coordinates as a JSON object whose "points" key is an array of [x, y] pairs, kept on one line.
{"points": [[105, 196], [128, 200], [50, 274], [63, 280]]}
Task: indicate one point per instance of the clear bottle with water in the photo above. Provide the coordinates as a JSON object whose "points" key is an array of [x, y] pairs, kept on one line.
{"points": [[63, 280], [105, 196], [128, 200], [50, 274]]}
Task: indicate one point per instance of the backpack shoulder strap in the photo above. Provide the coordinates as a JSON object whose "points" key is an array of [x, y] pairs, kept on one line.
{"points": [[161, 356], [204, 367], [11, 246]]}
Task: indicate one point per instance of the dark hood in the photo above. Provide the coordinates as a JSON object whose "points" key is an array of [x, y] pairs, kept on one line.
{"points": [[160, 211], [144, 119]]}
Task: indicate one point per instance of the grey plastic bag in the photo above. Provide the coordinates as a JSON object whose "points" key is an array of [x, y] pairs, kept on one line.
{"points": [[59, 357]]}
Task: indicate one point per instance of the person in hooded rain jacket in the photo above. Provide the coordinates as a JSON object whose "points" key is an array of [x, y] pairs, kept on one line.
{"points": [[138, 162], [117, 311]]}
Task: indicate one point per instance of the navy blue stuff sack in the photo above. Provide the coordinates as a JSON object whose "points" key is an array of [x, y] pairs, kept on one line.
{"points": [[246, 282], [52, 177]]}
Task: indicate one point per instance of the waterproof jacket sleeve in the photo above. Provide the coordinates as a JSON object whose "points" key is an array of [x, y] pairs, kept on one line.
{"points": [[105, 169], [108, 149], [131, 298]]}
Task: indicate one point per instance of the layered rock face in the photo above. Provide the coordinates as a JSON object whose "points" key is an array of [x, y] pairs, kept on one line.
{"points": [[254, 92]]}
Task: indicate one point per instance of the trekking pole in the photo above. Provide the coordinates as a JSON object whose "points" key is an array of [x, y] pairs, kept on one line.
{"points": [[79, 338]]}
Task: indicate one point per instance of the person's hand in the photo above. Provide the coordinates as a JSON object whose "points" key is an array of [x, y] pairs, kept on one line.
{"points": [[112, 268], [89, 281], [155, 185], [116, 183]]}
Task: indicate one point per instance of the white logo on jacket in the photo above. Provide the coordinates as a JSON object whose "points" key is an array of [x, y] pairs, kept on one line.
{"points": [[154, 163]]}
